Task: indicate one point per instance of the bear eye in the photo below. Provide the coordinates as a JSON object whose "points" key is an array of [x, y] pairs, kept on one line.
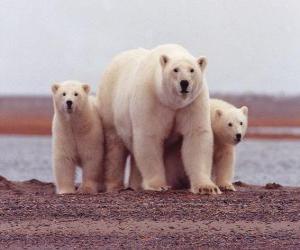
{"points": [[230, 124], [241, 123], [175, 70], [76, 94], [64, 94], [192, 70]]}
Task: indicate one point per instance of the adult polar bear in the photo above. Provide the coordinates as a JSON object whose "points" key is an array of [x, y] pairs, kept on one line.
{"points": [[147, 97]]}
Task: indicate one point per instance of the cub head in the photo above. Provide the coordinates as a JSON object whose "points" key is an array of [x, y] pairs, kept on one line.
{"points": [[70, 96], [230, 125], [182, 78]]}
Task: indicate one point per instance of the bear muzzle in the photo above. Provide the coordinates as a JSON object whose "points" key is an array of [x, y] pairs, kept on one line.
{"points": [[184, 84], [238, 138], [69, 104]]}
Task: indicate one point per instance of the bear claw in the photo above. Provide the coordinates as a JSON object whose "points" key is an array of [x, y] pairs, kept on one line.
{"points": [[206, 189], [159, 188], [227, 187]]}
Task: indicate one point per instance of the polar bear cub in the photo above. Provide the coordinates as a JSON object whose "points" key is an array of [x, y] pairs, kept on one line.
{"points": [[229, 127], [77, 137], [147, 97]]}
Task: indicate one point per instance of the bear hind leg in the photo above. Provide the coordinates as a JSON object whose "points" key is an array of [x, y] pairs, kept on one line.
{"points": [[114, 161], [90, 177]]}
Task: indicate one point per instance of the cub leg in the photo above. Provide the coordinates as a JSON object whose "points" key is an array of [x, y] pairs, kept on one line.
{"points": [[223, 167], [64, 173]]}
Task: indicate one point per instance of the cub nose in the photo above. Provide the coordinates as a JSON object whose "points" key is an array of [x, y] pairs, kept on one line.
{"points": [[184, 85], [238, 136], [69, 103]]}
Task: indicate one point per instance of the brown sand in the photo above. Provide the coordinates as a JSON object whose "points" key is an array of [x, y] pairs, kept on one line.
{"points": [[32, 115], [42, 126], [32, 216]]}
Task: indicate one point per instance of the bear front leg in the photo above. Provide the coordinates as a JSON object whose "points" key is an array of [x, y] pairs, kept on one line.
{"points": [[114, 161], [148, 154], [64, 173], [197, 153], [223, 167]]}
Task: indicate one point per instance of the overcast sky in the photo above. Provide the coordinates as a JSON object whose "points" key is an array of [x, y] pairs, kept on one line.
{"points": [[251, 45]]}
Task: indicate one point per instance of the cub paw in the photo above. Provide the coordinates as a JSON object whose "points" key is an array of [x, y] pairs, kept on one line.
{"points": [[227, 187], [209, 188]]}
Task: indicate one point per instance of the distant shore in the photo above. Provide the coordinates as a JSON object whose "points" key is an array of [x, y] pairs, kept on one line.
{"points": [[31, 215], [42, 126], [32, 115]]}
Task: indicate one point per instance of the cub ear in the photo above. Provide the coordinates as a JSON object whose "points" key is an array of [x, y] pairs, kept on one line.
{"points": [[244, 110], [163, 60], [219, 113], [86, 88], [54, 87], [202, 61]]}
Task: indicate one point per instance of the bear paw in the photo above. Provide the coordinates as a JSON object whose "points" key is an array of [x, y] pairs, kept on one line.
{"points": [[209, 188], [159, 189], [70, 190], [85, 189], [114, 187], [227, 187], [156, 186]]}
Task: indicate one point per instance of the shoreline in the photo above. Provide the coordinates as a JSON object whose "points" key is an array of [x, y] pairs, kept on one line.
{"points": [[43, 127], [31, 215]]}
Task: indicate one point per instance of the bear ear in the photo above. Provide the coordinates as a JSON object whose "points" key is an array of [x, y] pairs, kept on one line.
{"points": [[54, 87], [163, 60], [244, 110], [202, 61], [219, 113], [86, 88]]}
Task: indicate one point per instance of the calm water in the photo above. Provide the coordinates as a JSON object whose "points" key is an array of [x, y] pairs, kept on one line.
{"points": [[258, 161]]}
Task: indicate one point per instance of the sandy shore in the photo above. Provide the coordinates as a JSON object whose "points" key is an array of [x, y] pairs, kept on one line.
{"points": [[42, 126], [31, 215]]}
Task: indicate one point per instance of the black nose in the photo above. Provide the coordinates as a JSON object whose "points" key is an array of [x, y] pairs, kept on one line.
{"points": [[238, 137], [69, 103], [184, 85]]}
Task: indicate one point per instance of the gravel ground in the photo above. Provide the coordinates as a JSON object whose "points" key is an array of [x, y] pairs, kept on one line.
{"points": [[32, 216]]}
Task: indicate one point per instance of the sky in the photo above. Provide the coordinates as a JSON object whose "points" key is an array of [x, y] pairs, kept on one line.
{"points": [[251, 46]]}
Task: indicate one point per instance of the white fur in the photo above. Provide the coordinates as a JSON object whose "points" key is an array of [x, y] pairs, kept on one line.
{"points": [[77, 138], [222, 114], [142, 106], [227, 122]]}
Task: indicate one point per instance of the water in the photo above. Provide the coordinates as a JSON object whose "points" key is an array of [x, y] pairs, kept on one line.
{"points": [[258, 161], [275, 130]]}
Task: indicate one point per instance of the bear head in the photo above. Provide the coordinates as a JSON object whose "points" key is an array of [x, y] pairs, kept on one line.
{"points": [[182, 78], [230, 126], [70, 96]]}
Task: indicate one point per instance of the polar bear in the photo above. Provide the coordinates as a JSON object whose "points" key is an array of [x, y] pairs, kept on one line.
{"points": [[229, 127], [147, 97], [77, 137]]}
